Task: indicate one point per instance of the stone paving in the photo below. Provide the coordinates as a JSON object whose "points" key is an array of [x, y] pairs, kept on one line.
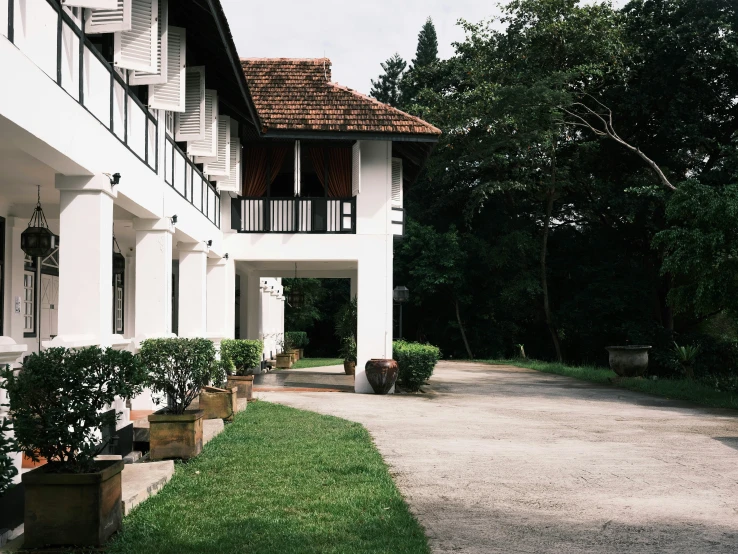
{"points": [[509, 460]]}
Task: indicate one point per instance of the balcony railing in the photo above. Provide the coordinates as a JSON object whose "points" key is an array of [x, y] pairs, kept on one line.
{"points": [[56, 43], [184, 177], [294, 215]]}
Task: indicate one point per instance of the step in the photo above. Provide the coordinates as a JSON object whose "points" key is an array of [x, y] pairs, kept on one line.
{"points": [[140, 481], [132, 457]]}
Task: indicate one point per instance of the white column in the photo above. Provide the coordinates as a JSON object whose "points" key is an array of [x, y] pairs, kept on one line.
{"points": [[252, 317], [221, 298], [153, 282], [193, 265], [85, 261]]}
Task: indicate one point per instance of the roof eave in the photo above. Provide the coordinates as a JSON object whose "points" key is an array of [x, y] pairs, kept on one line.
{"points": [[295, 134]]}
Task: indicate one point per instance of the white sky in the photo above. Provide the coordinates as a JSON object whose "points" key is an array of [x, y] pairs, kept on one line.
{"points": [[356, 36]]}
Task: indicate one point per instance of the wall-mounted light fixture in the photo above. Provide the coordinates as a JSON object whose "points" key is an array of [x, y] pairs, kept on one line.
{"points": [[226, 255], [114, 178], [174, 219], [210, 243]]}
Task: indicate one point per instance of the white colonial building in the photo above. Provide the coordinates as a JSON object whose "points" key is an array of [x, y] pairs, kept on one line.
{"points": [[142, 133]]}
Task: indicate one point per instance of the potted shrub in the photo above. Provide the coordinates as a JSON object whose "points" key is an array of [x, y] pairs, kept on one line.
{"points": [[241, 358], [284, 358], [416, 363], [179, 368], [346, 333], [686, 356], [59, 402], [217, 402], [299, 341]]}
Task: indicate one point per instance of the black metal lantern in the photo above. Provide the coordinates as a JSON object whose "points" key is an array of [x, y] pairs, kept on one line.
{"points": [[295, 298], [37, 240], [401, 294], [119, 261]]}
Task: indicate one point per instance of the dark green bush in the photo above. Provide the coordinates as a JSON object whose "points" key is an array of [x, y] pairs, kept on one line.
{"points": [[179, 368], [241, 356], [298, 339], [60, 401], [415, 361], [7, 447]]}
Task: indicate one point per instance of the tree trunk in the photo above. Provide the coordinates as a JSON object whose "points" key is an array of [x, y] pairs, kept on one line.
{"points": [[461, 328], [544, 251]]}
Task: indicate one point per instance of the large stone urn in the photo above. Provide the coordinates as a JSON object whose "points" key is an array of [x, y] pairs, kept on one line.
{"points": [[629, 361], [381, 374]]}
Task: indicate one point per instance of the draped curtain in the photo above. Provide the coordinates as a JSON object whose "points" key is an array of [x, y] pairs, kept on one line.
{"points": [[256, 161], [339, 170]]}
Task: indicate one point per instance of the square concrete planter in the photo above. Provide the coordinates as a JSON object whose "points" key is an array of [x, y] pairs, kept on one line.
{"points": [[244, 384], [219, 404], [65, 509], [295, 355], [175, 436], [284, 361]]}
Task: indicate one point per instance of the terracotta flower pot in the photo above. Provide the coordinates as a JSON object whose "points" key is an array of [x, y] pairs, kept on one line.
{"points": [[244, 384], [175, 435], [284, 361], [349, 367], [219, 404], [65, 509], [381, 374], [629, 361]]}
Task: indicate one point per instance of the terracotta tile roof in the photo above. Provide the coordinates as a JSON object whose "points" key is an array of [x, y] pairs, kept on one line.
{"points": [[298, 95]]}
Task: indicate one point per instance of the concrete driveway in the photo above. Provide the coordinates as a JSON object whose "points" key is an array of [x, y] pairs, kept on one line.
{"points": [[502, 459]]}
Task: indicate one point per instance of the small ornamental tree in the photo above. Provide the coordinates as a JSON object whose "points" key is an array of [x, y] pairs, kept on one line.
{"points": [[179, 368], [60, 401], [346, 330], [298, 339], [241, 356], [7, 446]]}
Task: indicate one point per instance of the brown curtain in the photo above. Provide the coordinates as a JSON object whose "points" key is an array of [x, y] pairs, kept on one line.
{"points": [[255, 168], [339, 170]]}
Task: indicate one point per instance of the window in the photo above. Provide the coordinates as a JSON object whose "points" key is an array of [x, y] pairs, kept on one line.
{"points": [[118, 305], [29, 298]]}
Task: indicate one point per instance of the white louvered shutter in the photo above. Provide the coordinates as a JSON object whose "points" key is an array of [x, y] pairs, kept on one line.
{"points": [[158, 77], [95, 4], [220, 169], [206, 149], [396, 183], [356, 169], [171, 95], [190, 124], [233, 182], [136, 49], [111, 20]]}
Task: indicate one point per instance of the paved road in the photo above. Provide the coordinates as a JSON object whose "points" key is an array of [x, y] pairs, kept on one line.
{"points": [[502, 459]]}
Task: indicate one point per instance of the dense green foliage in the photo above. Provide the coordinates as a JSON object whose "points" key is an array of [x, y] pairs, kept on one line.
{"points": [[323, 488], [416, 363], [7, 446], [59, 402], [387, 87], [298, 339], [529, 228], [179, 368], [241, 356], [346, 322]]}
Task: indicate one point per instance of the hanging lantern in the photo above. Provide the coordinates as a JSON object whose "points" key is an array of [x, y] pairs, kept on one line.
{"points": [[119, 260], [295, 298], [37, 240]]}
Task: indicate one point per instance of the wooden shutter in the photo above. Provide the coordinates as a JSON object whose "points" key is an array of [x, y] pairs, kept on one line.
{"points": [[158, 77], [190, 124], [136, 49], [233, 182], [171, 95], [207, 148], [356, 168], [110, 20], [396, 183], [220, 169], [94, 4]]}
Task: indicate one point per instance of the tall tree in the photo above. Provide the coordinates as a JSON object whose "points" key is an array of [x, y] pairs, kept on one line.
{"points": [[387, 87], [426, 57], [427, 50]]}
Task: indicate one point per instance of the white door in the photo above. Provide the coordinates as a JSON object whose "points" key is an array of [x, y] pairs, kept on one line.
{"points": [[49, 306]]}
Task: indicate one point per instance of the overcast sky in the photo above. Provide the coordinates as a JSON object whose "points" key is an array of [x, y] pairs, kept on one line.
{"points": [[356, 36]]}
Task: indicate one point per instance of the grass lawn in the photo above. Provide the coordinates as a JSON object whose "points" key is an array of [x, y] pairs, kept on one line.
{"points": [[305, 363], [277, 480], [679, 389]]}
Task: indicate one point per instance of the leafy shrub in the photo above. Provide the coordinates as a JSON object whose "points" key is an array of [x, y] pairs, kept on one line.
{"points": [[60, 398], [415, 361], [240, 356], [7, 446], [179, 368], [346, 321], [298, 339]]}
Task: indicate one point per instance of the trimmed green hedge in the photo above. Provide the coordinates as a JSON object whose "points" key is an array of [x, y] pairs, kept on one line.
{"points": [[297, 339], [415, 361], [244, 354]]}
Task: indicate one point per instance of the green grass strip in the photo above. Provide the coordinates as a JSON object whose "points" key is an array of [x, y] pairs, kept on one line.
{"points": [[277, 480], [678, 389], [305, 363]]}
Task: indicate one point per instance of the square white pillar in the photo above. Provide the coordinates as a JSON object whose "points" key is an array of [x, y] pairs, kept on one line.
{"points": [[193, 265], [85, 261], [221, 298], [153, 278], [253, 307]]}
